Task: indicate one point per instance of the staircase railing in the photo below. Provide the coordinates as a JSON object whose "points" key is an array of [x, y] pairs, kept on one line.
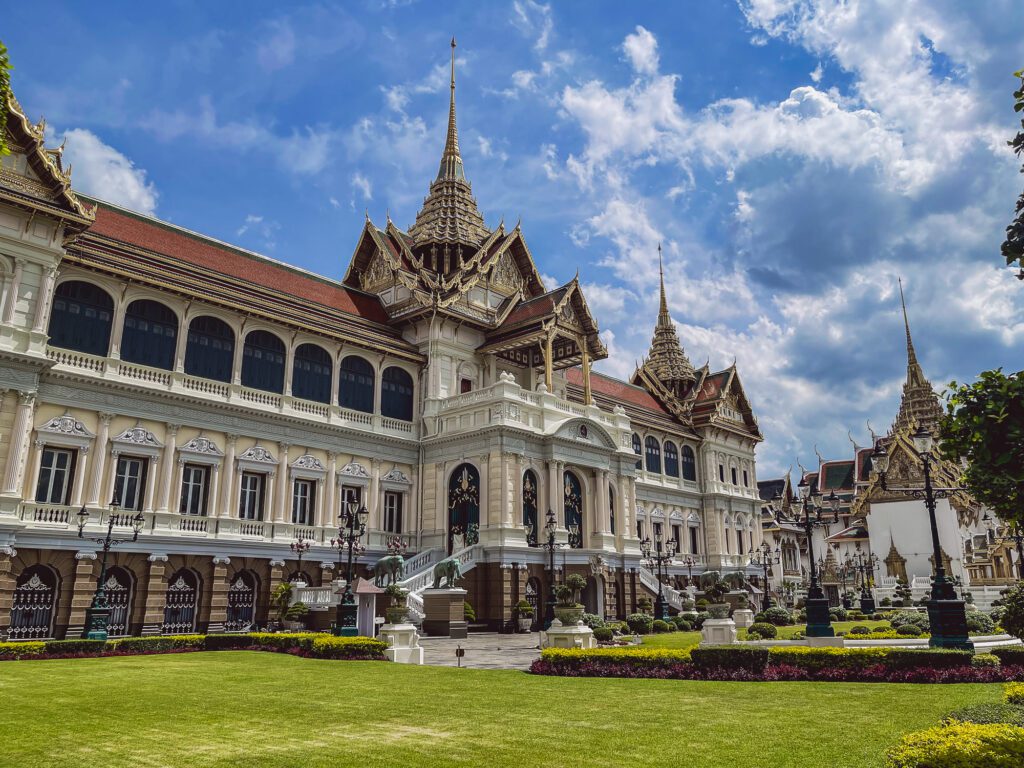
{"points": [[424, 578], [649, 580]]}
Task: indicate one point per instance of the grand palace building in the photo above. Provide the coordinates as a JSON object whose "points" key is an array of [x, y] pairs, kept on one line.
{"points": [[237, 403]]}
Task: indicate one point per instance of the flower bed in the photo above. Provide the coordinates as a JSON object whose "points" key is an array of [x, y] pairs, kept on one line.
{"points": [[731, 662], [961, 745], [309, 644]]}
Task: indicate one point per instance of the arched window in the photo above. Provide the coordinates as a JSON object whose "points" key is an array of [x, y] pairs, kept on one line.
{"points": [[463, 505], [689, 464], [653, 450], [530, 507], [355, 390], [671, 459], [396, 394], [573, 505], [263, 362], [34, 604], [637, 448], [150, 334], [311, 374], [81, 318], [210, 353], [120, 590], [242, 601], [181, 600]]}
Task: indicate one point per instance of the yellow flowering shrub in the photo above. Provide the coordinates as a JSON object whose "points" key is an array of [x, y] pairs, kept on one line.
{"points": [[960, 745], [1013, 693]]}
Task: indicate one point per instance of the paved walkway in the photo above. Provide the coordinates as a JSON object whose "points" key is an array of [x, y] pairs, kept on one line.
{"points": [[485, 650]]}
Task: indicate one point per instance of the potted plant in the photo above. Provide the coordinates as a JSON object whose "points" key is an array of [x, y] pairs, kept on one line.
{"points": [[524, 614], [645, 604], [280, 600], [715, 587], [397, 610], [294, 616], [568, 609]]}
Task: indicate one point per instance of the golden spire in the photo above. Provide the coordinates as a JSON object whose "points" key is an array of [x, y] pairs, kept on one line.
{"points": [[666, 359], [915, 376], [451, 160], [663, 316], [919, 405]]}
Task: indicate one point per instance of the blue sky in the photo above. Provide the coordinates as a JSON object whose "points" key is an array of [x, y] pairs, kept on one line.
{"points": [[794, 156]]}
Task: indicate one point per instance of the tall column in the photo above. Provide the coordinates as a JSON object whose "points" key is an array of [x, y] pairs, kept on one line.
{"points": [[81, 593], [19, 441], [548, 364], [156, 595], [329, 513], [228, 479], [281, 504], [289, 367], [78, 483], [92, 497], [602, 524], [276, 574], [558, 493], [376, 514], [34, 459], [236, 365], [585, 364], [181, 347], [214, 490], [117, 329], [7, 584], [553, 487], [219, 594], [167, 483], [43, 299], [147, 502], [13, 291]]}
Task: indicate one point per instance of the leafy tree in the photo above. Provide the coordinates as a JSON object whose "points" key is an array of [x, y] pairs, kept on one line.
{"points": [[1012, 619], [5, 90], [1013, 246], [984, 425]]}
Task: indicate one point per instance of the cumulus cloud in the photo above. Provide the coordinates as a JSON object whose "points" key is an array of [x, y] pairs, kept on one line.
{"points": [[641, 48], [101, 170]]}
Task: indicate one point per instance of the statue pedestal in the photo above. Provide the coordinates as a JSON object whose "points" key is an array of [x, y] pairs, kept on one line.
{"points": [[568, 636], [404, 641], [444, 613], [743, 617], [718, 632]]}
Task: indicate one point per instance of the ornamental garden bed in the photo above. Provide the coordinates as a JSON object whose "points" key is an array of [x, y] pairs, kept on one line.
{"points": [[308, 644], [745, 663]]}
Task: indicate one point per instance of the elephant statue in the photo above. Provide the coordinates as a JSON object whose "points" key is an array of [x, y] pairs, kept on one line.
{"points": [[449, 570], [392, 566]]}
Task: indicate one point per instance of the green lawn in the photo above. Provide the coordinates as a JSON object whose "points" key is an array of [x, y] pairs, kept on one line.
{"points": [[267, 710], [687, 639]]}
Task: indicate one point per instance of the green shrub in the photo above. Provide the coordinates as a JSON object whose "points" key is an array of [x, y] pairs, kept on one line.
{"points": [[1012, 605], [960, 745], [682, 624], [935, 658], [659, 626], [701, 605], [886, 602], [592, 620], [801, 615], [639, 623], [780, 617], [1012, 655], [22, 649], [700, 618], [158, 643], [1013, 693], [841, 614], [77, 645], [996, 712], [469, 611], [909, 630], [984, 660], [603, 634], [730, 657], [762, 630], [856, 616], [917, 619], [637, 655], [330, 647], [877, 617], [860, 629], [980, 623], [897, 659]]}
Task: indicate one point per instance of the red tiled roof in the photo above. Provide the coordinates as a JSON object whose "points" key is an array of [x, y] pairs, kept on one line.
{"points": [[154, 235], [537, 307], [617, 390]]}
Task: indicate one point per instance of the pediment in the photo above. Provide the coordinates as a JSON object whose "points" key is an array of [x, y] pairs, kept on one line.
{"points": [[587, 432]]}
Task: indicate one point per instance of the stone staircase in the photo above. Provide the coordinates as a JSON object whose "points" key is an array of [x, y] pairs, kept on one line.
{"points": [[423, 577], [650, 582]]}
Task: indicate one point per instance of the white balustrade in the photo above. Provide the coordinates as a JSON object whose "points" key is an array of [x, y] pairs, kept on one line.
{"points": [[649, 580]]}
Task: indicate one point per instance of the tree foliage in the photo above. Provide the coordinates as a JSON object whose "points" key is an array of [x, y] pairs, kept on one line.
{"points": [[1013, 246], [984, 425], [5, 90]]}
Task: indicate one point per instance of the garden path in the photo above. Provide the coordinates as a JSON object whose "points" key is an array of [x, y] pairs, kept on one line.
{"points": [[485, 650]]}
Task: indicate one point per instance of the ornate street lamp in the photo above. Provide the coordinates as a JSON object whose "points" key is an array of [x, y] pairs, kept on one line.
{"points": [[300, 547], [688, 562], [396, 545], [814, 516], [661, 553], [947, 614], [97, 617], [1017, 537], [550, 526], [353, 526], [865, 565], [764, 558]]}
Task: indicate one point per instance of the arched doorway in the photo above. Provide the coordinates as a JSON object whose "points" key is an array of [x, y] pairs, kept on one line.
{"points": [[182, 600], [242, 601], [120, 591], [35, 600], [533, 598], [593, 596], [463, 507], [530, 507], [573, 504]]}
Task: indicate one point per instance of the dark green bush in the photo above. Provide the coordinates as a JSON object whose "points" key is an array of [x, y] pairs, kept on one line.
{"points": [[780, 617], [979, 622], [860, 629], [700, 618], [730, 657], [659, 626], [996, 712], [78, 645], [762, 630], [603, 635], [683, 625], [841, 614], [640, 623], [910, 630], [1013, 655], [936, 658]]}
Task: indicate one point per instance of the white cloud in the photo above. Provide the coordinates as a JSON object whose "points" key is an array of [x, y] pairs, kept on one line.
{"points": [[101, 170], [250, 221], [641, 48], [261, 228], [277, 51], [361, 184], [534, 20]]}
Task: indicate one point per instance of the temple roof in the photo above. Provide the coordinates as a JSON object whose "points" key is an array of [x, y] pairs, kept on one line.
{"points": [[919, 405]]}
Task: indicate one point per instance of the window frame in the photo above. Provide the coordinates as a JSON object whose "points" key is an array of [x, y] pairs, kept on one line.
{"points": [[49, 473], [140, 484], [185, 503], [303, 505], [245, 496], [393, 512]]}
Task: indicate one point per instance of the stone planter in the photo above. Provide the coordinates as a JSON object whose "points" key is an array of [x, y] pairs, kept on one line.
{"points": [[294, 626], [569, 617], [743, 617], [719, 610], [525, 623], [396, 614]]}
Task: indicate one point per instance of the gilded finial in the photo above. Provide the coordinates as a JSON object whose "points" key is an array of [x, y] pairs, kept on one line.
{"points": [[818, 454]]}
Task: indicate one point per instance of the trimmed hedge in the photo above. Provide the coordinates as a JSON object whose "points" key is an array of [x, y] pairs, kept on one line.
{"points": [[312, 644], [1013, 654], [729, 657], [960, 745], [858, 659]]}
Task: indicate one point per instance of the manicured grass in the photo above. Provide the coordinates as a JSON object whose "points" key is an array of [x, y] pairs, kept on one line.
{"points": [[238, 708], [687, 639]]}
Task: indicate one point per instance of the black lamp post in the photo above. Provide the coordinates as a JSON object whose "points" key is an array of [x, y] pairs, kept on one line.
{"points": [[819, 623], [1017, 537], [660, 554], [353, 526], [947, 614], [97, 617], [764, 558], [689, 562], [300, 547], [550, 526], [865, 566]]}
